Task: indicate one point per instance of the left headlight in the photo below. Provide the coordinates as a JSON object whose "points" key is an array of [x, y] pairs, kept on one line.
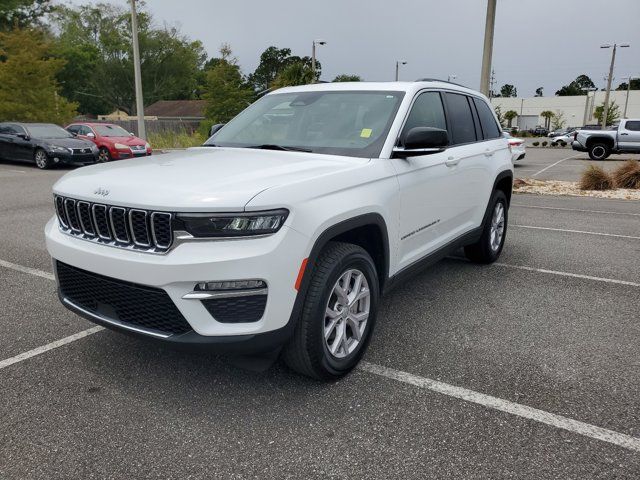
{"points": [[56, 148], [121, 146], [232, 224]]}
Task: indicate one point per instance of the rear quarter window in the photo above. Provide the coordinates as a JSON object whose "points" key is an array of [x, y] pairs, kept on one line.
{"points": [[488, 123]]}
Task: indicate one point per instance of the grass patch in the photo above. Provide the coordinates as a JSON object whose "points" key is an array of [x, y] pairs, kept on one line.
{"points": [[595, 178], [627, 175], [160, 140]]}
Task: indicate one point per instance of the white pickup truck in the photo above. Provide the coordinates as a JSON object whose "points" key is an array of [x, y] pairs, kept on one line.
{"points": [[623, 138]]}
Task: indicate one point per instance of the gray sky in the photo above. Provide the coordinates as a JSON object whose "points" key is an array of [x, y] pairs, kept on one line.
{"points": [[537, 42]]}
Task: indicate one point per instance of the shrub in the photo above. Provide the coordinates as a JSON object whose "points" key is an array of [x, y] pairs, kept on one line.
{"points": [[535, 144], [627, 175], [595, 178], [563, 143], [545, 143], [182, 139]]}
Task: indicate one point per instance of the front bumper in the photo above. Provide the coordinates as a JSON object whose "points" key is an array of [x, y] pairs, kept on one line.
{"points": [[124, 154], [275, 259], [73, 159], [575, 145]]}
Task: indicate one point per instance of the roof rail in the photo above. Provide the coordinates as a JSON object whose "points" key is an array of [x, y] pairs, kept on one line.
{"points": [[439, 80]]}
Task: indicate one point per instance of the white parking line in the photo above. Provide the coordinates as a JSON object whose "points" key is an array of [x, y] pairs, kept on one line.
{"points": [[608, 212], [49, 346], [524, 411], [566, 274], [29, 270], [553, 165], [577, 231]]}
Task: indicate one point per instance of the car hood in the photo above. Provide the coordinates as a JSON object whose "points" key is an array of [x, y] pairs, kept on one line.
{"points": [[199, 179], [66, 142], [126, 140]]}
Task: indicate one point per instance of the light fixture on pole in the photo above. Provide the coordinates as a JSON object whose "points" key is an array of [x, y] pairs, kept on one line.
{"points": [[313, 56], [136, 72], [451, 77], [398, 63], [626, 101], [605, 112]]}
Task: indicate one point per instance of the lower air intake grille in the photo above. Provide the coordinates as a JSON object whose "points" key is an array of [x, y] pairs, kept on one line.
{"points": [[129, 303], [236, 309]]}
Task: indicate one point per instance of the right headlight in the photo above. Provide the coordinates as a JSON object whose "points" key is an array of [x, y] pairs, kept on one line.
{"points": [[243, 224], [121, 146]]}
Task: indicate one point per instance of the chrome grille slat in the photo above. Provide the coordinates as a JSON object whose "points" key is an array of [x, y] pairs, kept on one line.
{"points": [[84, 215], [72, 214], [139, 227], [161, 229], [118, 217], [101, 221], [60, 211]]}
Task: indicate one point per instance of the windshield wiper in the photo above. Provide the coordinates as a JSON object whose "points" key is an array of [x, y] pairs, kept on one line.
{"points": [[270, 146]]}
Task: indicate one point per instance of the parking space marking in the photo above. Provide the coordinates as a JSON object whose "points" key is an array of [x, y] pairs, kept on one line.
{"points": [[554, 164], [517, 409], [608, 212], [50, 346], [577, 231], [29, 270], [566, 274]]}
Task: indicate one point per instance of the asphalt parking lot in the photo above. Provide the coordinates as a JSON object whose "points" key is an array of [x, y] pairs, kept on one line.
{"points": [[562, 163], [528, 368]]}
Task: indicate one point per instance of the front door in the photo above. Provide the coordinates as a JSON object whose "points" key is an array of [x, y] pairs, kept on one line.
{"points": [[629, 136]]}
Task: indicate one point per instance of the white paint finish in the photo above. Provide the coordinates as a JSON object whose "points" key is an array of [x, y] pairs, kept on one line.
{"points": [[553, 165], [29, 270], [608, 212], [576, 231], [566, 274], [512, 408], [50, 346]]}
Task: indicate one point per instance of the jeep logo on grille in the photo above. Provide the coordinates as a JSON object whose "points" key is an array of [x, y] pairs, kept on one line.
{"points": [[101, 191]]}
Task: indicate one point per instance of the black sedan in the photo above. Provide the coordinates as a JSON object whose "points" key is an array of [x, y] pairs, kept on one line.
{"points": [[45, 144]]}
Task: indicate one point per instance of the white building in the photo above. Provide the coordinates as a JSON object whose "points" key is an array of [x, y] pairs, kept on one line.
{"points": [[575, 109]]}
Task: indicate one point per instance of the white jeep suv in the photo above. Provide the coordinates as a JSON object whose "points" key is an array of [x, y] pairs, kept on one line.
{"points": [[284, 229]]}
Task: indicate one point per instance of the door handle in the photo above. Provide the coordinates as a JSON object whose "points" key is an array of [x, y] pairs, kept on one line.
{"points": [[624, 134], [488, 153], [452, 162]]}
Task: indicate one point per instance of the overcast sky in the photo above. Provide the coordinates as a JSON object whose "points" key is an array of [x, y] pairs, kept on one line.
{"points": [[537, 42]]}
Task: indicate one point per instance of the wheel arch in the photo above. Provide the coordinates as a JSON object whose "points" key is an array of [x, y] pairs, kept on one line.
{"points": [[608, 141]]}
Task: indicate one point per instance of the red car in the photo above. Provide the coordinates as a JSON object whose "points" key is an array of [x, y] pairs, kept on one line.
{"points": [[113, 141]]}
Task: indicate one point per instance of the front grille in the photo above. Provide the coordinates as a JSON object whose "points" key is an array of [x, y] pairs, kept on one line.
{"points": [[236, 309], [129, 303], [117, 226], [79, 151]]}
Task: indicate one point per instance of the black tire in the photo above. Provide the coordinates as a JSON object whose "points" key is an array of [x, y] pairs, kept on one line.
{"points": [[307, 351], [482, 251], [42, 159], [599, 151], [103, 155]]}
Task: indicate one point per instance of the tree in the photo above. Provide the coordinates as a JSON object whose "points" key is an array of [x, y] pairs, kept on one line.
{"points": [[613, 114], [22, 13], [347, 78], [226, 91], [539, 92], [547, 115], [558, 120], [635, 85], [499, 114], [272, 62], [577, 87], [294, 74], [28, 88], [508, 90], [509, 116]]}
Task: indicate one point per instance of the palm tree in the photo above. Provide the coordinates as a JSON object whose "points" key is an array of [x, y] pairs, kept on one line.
{"points": [[547, 115], [509, 116]]}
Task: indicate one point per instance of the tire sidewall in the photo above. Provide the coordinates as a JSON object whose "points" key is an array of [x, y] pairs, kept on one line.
{"points": [[339, 366], [596, 147], [35, 158], [498, 197], [108, 155]]}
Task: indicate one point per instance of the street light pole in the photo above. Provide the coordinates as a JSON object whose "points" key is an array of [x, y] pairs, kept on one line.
{"points": [[626, 101], [485, 74], [398, 63], [313, 56], [609, 80], [136, 72]]}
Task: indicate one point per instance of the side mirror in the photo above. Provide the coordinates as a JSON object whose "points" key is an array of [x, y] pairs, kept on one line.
{"points": [[215, 128], [422, 141], [23, 136], [91, 135], [132, 134]]}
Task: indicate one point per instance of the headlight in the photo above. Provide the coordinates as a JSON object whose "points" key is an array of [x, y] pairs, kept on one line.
{"points": [[232, 224], [56, 148], [120, 146]]}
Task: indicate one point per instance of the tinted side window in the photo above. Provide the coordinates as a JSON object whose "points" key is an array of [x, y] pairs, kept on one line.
{"points": [[633, 126], [427, 111], [460, 118], [73, 128], [84, 130], [487, 121]]}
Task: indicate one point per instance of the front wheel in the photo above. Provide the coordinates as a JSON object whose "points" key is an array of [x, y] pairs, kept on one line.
{"points": [[338, 315], [104, 155], [488, 248], [42, 159], [599, 151]]}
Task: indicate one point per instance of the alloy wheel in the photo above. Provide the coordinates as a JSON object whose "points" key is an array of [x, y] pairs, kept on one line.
{"points": [[41, 159], [497, 227]]}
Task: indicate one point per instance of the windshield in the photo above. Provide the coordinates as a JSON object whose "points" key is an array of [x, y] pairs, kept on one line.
{"points": [[48, 131], [337, 123], [111, 131]]}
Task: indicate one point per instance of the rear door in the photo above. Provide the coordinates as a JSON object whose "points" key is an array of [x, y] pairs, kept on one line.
{"points": [[629, 135]]}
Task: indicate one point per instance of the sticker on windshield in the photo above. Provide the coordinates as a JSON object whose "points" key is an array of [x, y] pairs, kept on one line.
{"points": [[366, 133]]}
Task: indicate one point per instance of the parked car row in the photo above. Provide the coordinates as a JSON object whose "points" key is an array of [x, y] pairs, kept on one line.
{"points": [[46, 144]]}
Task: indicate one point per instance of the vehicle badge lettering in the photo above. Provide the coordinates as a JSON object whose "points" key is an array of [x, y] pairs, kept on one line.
{"points": [[101, 191]]}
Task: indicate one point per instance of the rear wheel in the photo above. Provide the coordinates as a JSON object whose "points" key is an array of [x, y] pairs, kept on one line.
{"points": [[599, 151], [488, 248], [104, 155], [42, 159], [338, 315]]}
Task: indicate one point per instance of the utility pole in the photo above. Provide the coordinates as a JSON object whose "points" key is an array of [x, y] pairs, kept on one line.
{"points": [[313, 56], [609, 80], [492, 83], [136, 71], [626, 102], [488, 47], [398, 63]]}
